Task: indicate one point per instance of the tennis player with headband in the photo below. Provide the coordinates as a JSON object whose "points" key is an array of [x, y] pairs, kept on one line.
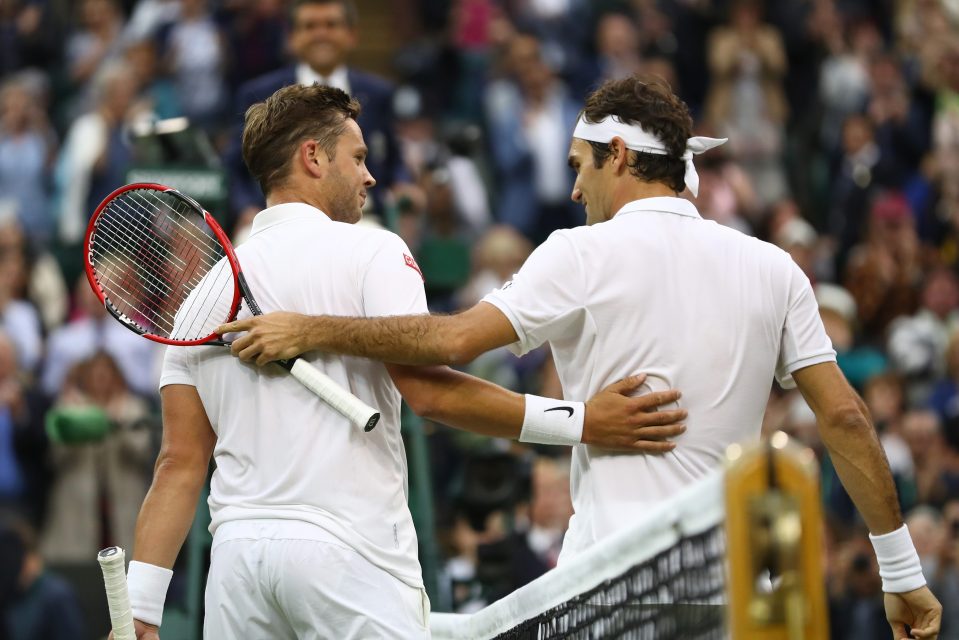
{"points": [[649, 285], [312, 534]]}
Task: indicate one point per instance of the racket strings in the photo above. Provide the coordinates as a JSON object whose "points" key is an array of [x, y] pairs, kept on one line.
{"points": [[154, 257], [129, 239]]}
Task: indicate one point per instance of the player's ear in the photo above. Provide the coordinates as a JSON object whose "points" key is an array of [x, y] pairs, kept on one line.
{"points": [[619, 154], [313, 158]]}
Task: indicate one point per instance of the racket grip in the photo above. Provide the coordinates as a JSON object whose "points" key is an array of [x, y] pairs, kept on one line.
{"points": [[354, 409], [118, 599]]}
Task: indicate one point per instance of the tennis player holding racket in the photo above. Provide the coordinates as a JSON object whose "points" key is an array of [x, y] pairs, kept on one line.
{"points": [[312, 536], [648, 283]]}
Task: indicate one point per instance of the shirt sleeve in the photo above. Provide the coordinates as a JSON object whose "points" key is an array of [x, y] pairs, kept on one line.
{"points": [[392, 282], [176, 367], [545, 300], [804, 339]]}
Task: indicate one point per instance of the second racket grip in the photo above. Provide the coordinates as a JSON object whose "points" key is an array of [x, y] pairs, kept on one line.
{"points": [[348, 405]]}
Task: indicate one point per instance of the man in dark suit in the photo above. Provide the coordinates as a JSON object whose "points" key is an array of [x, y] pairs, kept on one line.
{"points": [[323, 33]]}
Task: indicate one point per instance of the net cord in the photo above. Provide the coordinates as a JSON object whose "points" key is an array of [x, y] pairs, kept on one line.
{"points": [[696, 509]]}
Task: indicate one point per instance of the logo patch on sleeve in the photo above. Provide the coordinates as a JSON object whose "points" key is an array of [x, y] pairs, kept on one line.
{"points": [[411, 263]]}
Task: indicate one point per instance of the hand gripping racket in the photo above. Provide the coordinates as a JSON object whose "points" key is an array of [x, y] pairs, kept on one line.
{"points": [[164, 268], [118, 599]]}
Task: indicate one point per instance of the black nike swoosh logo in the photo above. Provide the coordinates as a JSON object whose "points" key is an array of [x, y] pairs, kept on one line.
{"points": [[569, 410]]}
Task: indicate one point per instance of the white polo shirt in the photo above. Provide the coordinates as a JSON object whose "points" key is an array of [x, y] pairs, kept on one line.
{"points": [[697, 306], [281, 452]]}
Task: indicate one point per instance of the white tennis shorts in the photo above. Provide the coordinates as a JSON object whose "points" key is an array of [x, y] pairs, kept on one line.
{"points": [[304, 589]]}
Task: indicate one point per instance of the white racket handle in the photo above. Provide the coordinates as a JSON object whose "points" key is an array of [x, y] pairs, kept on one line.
{"points": [[118, 599], [354, 409]]}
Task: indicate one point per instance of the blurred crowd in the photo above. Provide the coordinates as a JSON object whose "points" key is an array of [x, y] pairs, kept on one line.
{"points": [[843, 120]]}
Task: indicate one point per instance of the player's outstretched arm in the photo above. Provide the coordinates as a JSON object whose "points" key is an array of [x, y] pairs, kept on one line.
{"points": [[611, 419], [859, 460], [412, 340], [167, 512]]}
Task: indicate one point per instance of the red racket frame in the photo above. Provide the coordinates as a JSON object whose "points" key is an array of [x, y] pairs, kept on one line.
{"points": [[217, 232]]}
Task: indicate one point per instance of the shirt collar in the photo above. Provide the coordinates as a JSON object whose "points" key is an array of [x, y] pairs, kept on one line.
{"points": [[663, 204], [338, 78], [284, 212]]}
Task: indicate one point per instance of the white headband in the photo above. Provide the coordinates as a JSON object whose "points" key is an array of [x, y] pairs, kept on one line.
{"points": [[637, 139]]}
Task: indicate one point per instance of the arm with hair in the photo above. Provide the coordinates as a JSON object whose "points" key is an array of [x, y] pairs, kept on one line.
{"points": [[612, 418], [411, 340], [852, 443], [861, 464], [168, 509], [179, 475]]}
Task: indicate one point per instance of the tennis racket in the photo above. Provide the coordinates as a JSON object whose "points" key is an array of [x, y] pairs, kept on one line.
{"points": [[164, 268], [118, 599]]}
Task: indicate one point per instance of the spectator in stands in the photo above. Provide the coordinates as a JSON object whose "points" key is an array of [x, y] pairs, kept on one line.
{"points": [[550, 509], [944, 399], [844, 77], [27, 147], [943, 568], [148, 17], [38, 279], [23, 441], [18, 317], [859, 362], [530, 116], [855, 602], [195, 54], [323, 34], [747, 103], [945, 144], [12, 480], [157, 92], [937, 473], [92, 330], [256, 33], [45, 606], [25, 38], [617, 46], [901, 123], [96, 153], [726, 193], [917, 344], [102, 451], [496, 257], [883, 272], [92, 47]]}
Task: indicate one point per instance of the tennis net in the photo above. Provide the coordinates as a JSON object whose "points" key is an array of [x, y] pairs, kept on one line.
{"points": [[661, 579]]}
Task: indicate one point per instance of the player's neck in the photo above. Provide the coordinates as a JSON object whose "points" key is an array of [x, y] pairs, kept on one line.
{"points": [[631, 190], [286, 196]]}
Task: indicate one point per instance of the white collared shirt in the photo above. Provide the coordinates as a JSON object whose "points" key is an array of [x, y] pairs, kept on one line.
{"points": [[281, 452], [339, 79], [697, 306]]}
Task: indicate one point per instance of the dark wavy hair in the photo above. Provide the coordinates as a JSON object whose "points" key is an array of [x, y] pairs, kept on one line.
{"points": [[649, 102]]}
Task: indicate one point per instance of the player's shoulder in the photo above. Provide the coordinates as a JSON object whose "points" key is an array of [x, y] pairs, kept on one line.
{"points": [[774, 255], [367, 238], [766, 251]]}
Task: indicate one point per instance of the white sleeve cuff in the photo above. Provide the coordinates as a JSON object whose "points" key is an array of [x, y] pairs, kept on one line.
{"points": [[899, 564], [147, 584]]}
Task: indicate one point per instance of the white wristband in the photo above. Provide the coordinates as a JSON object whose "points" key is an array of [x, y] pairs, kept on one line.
{"points": [[147, 584], [898, 561], [550, 421]]}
